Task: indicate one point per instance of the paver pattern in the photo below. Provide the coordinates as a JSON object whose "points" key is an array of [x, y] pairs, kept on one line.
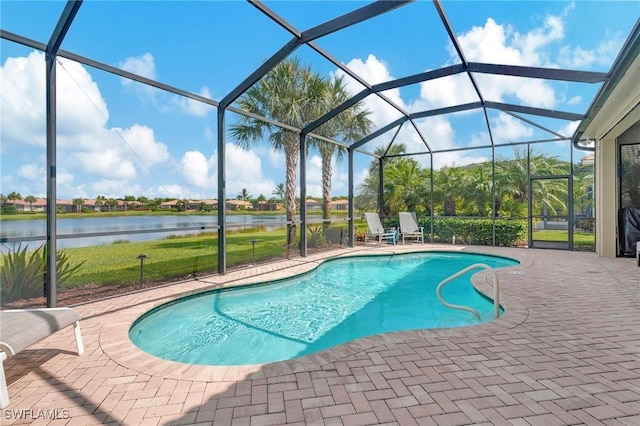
{"points": [[567, 351]]}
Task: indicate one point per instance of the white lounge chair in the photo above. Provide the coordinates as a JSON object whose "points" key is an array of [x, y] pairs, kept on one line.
{"points": [[377, 231], [409, 227], [21, 328]]}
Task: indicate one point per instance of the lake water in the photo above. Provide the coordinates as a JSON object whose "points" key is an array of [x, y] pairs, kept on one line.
{"points": [[80, 232]]}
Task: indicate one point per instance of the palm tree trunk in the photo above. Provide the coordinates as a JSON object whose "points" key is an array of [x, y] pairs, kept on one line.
{"points": [[291, 153], [326, 189]]}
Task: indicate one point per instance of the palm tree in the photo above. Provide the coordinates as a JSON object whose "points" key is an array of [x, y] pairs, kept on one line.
{"points": [[101, 200], [30, 199], [512, 181], [128, 200], [113, 203], [448, 188], [288, 94], [351, 125], [279, 191], [244, 195], [368, 196], [407, 187], [478, 188], [13, 196], [78, 202]]}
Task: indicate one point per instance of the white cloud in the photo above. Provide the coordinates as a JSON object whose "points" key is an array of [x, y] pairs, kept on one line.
{"points": [[208, 133], [111, 188], [276, 159], [141, 141], [197, 169], [457, 158], [446, 91], [496, 43], [578, 57], [85, 142], [568, 130], [80, 106], [244, 170], [506, 128], [171, 191], [192, 107], [374, 71], [491, 43], [31, 172], [104, 163], [574, 100], [145, 66], [141, 65]]}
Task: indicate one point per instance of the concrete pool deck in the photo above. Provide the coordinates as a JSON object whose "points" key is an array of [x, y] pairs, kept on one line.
{"points": [[567, 351]]}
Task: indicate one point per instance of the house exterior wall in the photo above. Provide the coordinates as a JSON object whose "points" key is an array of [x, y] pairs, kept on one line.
{"points": [[619, 113]]}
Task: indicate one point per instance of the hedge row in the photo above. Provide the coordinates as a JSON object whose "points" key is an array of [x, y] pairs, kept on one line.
{"points": [[472, 231]]}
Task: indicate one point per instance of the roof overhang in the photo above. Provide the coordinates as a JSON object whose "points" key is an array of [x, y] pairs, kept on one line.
{"points": [[616, 107]]}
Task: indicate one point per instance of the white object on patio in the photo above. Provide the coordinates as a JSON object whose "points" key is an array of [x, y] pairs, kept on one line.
{"points": [[377, 231], [409, 227], [21, 328]]}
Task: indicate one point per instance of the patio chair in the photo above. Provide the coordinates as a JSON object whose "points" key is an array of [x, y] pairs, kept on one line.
{"points": [[21, 328], [377, 231], [409, 227]]}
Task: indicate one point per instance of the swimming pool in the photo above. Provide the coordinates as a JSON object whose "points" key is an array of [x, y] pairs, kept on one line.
{"points": [[341, 300]]}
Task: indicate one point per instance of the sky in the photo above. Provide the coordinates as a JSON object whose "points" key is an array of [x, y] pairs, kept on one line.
{"points": [[117, 137]]}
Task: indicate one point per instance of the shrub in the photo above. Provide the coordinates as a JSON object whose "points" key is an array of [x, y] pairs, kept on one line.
{"points": [[8, 209], [23, 273], [587, 225], [472, 231]]}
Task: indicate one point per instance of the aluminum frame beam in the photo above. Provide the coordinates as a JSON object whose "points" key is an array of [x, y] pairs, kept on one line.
{"points": [[57, 36], [538, 72], [562, 115], [306, 37], [379, 132]]}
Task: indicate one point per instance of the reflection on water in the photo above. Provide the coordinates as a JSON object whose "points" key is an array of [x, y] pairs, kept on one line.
{"points": [[69, 228]]}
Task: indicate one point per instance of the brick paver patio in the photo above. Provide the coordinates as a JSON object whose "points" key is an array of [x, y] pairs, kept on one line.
{"points": [[567, 351]]}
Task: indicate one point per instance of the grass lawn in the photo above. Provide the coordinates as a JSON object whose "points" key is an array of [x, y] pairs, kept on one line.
{"points": [[172, 258], [579, 238]]}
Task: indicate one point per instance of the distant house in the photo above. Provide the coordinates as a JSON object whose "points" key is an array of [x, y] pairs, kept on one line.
{"points": [[340, 205], [65, 206], [40, 205], [171, 204], [238, 205], [587, 159], [267, 205], [313, 205]]}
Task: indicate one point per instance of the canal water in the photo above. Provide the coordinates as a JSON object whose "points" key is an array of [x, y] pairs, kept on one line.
{"points": [[130, 228]]}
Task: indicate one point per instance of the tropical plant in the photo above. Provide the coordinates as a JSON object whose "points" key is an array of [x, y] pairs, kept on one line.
{"points": [[280, 191], [23, 273], [369, 189], [407, 187], [78, 202], [512, 180], [448, 188], [287, 94], [14, 196], [30, 199], [350, 125], [244, 195], [101, 200], [477, 189]]}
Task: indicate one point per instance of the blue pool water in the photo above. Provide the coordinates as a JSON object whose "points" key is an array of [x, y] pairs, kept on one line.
{"points": [[341, 300]]}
